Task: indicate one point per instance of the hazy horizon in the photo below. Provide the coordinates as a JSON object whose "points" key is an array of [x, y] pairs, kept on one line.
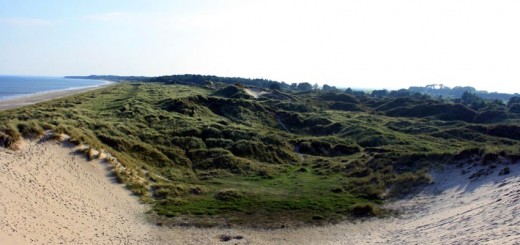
{"points": [[363, 44]]}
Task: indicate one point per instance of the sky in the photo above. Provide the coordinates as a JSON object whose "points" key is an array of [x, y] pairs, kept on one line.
{"points": [[345, 43]]}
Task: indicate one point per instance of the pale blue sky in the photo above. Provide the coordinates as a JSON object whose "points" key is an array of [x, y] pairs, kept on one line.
{"points": [[356, 43]]}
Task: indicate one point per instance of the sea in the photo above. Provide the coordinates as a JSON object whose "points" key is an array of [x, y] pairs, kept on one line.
{"points": [[19, 86]]}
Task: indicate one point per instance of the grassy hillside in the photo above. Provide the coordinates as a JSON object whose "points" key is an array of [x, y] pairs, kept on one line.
{"points": [[204, 156]]}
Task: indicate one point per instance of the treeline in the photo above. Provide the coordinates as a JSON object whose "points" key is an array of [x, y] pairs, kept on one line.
{"points": [[112, 78], [466, 95], [194, 79], [439, 90]]}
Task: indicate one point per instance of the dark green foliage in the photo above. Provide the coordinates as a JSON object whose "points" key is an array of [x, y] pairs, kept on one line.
{"points": [[218, 143], [468, 154], [339, 97], [344, 106], [228, 195], [8, 136], [469, 93], [259, 151], [188, 143], [163, 191], [117, 143], [364, 210], [491, 116], [407, 182], [304, 86], [460, 133], [184, 106], [500, 130], [30, 129], [201, 80], [320, 148], [390, 104], [515, 108], [513, 101], [440, 111]]}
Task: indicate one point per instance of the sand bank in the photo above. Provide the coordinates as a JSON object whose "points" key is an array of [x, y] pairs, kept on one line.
{"points": [[49, 195], [40, 97]]}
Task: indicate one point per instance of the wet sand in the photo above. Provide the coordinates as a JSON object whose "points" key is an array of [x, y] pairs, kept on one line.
{"points": [[40, 97]]}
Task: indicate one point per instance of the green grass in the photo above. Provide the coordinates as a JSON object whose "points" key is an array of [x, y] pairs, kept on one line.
{"points": [[205, 158], [309, 194]]}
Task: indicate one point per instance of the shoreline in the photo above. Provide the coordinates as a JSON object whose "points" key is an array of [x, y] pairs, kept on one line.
{"points": [[31, 99]]}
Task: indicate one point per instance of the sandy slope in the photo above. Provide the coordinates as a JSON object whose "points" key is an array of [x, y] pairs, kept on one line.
{"points": [[255, 92], [51, 196]]}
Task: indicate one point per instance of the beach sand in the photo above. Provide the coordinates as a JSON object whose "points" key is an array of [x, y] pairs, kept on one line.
{"points": [[50, 195], [40, 97]]}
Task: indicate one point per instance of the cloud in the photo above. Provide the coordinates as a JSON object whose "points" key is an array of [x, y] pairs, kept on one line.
{"points": [[26, 22], [108, 17]]}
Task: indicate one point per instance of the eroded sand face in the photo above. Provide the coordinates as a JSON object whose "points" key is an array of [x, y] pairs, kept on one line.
{"points": [[50, 195]]}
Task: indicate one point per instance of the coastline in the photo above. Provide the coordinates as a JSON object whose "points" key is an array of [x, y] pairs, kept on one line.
{"points": [[30, 99]]}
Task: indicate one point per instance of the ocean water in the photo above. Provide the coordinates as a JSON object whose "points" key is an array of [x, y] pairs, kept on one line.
{"points": [[17, 86]]}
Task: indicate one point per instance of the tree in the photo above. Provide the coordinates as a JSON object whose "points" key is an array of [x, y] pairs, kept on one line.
{"points": [[379, 93], [275, 86], [469, 98], [400, 93], [513, 101], [328, 88], [304, 86]]}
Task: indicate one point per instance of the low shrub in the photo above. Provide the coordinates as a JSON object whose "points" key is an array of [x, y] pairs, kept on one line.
{"points": [[407, 182], [364, 210], [30, 130], [229, 195]]}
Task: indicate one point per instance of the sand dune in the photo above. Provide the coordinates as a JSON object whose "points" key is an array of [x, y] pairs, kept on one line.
{"points": [[49, 195], [52, 196]]}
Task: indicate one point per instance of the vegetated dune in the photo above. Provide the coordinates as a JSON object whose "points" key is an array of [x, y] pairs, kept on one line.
{"points": [[50, 195]]}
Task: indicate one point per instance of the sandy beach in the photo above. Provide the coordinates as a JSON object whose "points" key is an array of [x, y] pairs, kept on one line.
{"points": [[51, 195], [40, 97]]}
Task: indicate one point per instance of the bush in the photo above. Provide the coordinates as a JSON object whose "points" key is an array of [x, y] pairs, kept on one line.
{"points": [[6, 140], [345, 98], [343, 106], [407, 182], [364, 210], [229, 195], [162, 191], [30, 130], [137, 188], [8, 135], [188, 143], [218, 143], [373, 141]]}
